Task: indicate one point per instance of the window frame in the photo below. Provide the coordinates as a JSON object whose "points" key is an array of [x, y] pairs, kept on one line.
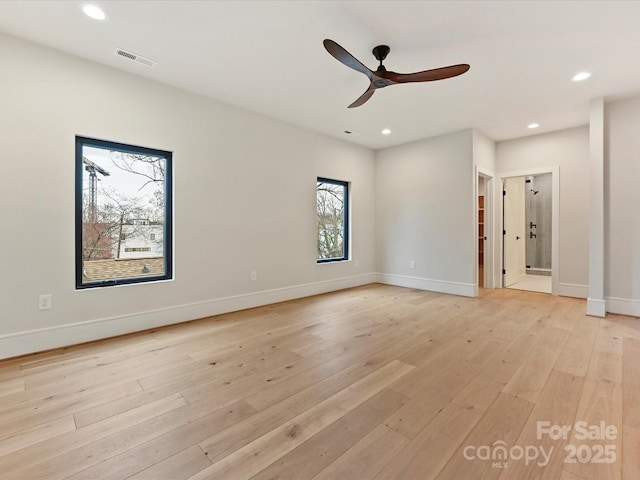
{"points": [[346, 219], [80, 142]]}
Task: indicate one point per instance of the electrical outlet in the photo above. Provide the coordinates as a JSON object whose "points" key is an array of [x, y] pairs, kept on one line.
{"points": [[45, 302], [412, 264], [357, 263], [254, 276]]}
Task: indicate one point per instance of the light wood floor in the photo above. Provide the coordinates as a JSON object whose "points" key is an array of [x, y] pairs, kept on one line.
{"points": [[375, 382]]}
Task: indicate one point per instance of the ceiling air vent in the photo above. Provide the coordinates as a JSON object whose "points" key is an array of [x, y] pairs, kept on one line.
{"points": [[136, 58]]}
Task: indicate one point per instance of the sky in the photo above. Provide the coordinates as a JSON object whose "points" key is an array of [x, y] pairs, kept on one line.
{"points": [[127, 184]]}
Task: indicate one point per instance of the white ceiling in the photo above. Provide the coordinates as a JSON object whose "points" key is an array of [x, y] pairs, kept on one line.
{"points": [[267, 56]]}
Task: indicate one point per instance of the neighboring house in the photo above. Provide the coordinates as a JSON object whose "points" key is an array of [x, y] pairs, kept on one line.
{"points": [[140, 238]]}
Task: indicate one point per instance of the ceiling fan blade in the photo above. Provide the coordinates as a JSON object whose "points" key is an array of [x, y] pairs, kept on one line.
{"points": [[364, 97], [428, 75], [346, 58]]}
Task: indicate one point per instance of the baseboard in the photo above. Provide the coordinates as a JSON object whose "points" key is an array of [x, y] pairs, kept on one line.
{"points": [[623, 306], [573, 290], [441, 286], [22, 343], [596, 308]]}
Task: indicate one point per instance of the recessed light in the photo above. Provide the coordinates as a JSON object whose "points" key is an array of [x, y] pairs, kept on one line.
{"points": [[533, 125], [94, 12], [386, 131], [578, 77]]}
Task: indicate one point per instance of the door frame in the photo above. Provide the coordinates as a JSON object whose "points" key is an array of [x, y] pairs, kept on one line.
{"points": [[555, 220], [489, 228]]}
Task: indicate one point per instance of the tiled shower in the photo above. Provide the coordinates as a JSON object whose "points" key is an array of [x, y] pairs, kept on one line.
{"points": [[538, 192]]}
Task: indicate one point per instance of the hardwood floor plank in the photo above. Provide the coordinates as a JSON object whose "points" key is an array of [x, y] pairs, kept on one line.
{"points": [[67, 356], [631, 453], [49, 459], [180, 466], [631, 361], [601, 401], [506, 363], [114, 406], [244, 367], [427, 454], [441, 388], [172, 432], [566, 475], [127, 365], [436, 339], [610, 335], [81, 384], [576, 354], [605, 366], [433, 369], [54, 407], [530, 378], [37, 434], [479, 393], [367, 457], [12, 386], [311, 345], [363, 359], [631, 404], [632, 328], [226, 442], [556, 406], [312, 456], [418, 411], [254, 457], [502, 422]]}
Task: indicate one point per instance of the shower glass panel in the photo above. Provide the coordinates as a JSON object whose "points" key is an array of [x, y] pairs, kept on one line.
{"points": [[538, 223]]}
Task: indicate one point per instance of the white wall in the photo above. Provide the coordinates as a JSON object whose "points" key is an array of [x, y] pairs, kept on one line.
{"points": [[425, 212], [484, 152], [569, 150], [622, 199], [244, 200]]}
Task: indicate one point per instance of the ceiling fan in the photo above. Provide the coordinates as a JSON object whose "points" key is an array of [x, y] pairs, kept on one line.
{"points": [[381, 77]]}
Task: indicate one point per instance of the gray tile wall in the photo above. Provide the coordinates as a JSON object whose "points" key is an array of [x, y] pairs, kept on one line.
{"points": [[538, 212]]}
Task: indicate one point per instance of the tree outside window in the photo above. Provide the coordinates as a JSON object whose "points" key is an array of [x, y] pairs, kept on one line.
{"points": [[332, 204]]}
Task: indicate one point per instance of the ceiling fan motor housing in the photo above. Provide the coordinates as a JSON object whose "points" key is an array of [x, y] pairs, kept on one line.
{"points": [[381, 52]]}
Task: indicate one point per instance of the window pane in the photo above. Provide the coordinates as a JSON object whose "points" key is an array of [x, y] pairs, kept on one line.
{"points": [[332, 211], [122, 213]]}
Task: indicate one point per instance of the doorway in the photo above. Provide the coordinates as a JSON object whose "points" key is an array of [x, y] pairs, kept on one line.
{"points": [[484, 235], [528, 232]]}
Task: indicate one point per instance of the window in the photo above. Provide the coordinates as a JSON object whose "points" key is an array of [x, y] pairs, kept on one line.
{"points": [[123, 214], [332, 206]]}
